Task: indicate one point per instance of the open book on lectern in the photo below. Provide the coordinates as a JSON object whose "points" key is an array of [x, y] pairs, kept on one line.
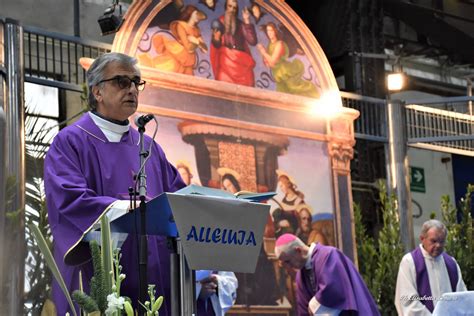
{"points": [[218, 231], [246, 195]]}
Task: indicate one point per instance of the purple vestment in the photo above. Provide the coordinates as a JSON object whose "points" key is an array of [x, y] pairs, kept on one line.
{"points": [[84, 173], [422, 280], [335, 283]]}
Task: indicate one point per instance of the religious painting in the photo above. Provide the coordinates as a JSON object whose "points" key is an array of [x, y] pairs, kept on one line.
{"points": [[239, 42]]}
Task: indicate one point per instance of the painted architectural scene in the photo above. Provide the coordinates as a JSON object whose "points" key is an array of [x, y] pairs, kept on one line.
{"points": [[236, 160]]}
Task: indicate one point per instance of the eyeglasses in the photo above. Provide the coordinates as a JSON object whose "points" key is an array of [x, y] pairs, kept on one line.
{"points": [[125, 82]]}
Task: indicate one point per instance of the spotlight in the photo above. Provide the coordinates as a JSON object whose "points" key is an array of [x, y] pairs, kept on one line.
{"points": [[111, 22], [395, 81]]}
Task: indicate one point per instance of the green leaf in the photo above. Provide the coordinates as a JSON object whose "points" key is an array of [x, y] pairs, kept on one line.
{"points": [[128, 308], [42, 244], [107, 256], [156, 306]]}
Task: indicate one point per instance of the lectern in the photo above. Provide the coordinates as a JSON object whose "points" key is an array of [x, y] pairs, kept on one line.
{"points": [[211, 230]]}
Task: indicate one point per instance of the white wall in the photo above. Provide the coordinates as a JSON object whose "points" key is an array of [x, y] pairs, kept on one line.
{"points": [[438, 180]]}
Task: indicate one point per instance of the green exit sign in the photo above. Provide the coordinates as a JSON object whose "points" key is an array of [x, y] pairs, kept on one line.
{"points": [[417, 179]]}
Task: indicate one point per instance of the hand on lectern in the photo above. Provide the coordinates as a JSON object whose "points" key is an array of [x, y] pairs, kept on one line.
{"points": [[209, 286]]}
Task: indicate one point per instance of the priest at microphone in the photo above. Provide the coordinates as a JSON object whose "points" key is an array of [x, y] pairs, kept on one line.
{"points": [[88, 170]]}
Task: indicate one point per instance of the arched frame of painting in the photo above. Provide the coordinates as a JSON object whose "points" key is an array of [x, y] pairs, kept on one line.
{"points": [[202, 99]]}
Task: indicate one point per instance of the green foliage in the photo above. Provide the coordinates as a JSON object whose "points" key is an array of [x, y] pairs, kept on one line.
{"points": [[107, 277], [367, 254], [390, 253], [37, 277], [12, 215], [98, 289], [379, 260], [87, 303], [154, 304], [97, 301], [460, 240], [119, 277], [101, 282]]}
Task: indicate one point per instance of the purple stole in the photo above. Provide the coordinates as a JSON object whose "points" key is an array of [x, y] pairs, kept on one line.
{"points": [[422, 281]]}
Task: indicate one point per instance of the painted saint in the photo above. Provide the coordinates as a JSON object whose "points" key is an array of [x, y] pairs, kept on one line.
{"points": [[178, 52], [288, 74], [230, 55]]}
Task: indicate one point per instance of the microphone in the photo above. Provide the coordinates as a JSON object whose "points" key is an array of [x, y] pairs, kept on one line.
{"points": [[141, 121]]}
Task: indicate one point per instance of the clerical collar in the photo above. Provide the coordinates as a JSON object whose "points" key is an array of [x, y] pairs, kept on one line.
{"points": [[118, 122], [112, 131], [308, 264]]}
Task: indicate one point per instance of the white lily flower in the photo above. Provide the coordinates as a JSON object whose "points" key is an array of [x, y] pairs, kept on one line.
{"points": [[114, 304]]}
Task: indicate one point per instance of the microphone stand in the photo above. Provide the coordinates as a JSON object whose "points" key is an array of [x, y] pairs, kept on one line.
{"points": [[183, 300], [143, 248]]}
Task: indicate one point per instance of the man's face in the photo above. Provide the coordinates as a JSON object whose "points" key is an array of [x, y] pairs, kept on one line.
{"points": [[231, 6], [294, 261], [112, 101], [433, 242]]}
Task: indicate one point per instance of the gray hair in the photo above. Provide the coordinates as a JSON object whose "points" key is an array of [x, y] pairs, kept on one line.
{"points": [[289, 248], [96, 71], [433, 223]]}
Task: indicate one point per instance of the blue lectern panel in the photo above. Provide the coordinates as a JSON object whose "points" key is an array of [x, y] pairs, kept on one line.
{"points": [[159, 219]]}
